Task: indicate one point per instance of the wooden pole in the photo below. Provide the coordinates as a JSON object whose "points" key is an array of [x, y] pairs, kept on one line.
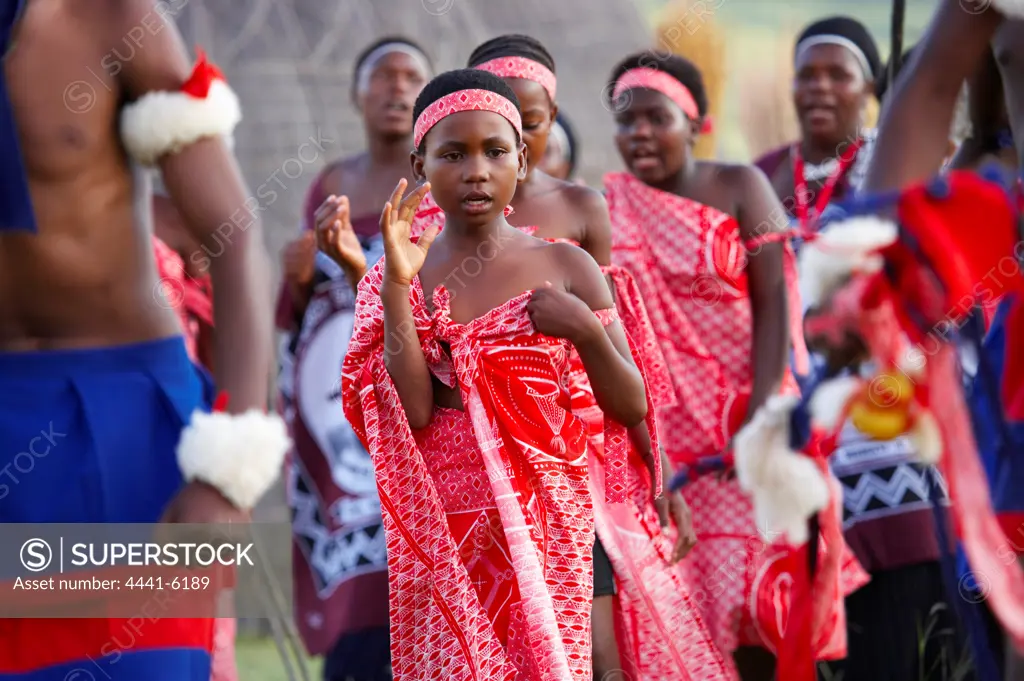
{"points": [[899, 11]]}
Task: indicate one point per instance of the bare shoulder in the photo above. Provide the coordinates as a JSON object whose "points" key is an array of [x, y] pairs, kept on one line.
{"points": [[582, 273], [595, 221], [570, 260], [145, 49], [585, 199], [739, 182], [737, 176]]}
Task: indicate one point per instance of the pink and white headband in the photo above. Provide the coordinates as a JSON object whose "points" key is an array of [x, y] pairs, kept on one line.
{"points": [[466, 100], [521, 67], [653, 79]]}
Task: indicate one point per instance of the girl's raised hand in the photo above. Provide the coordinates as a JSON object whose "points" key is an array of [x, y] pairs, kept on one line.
{"points": [[403, 258]]}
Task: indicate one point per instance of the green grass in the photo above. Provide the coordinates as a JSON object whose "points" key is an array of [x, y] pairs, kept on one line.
{"points": [[258, 661]]}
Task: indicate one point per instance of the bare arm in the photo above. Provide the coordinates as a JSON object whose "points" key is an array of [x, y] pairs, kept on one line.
{"points": [[404, 358], [758, 207], [968, 156], [614, 378], [403, 259], [914, 128], [207, 187], [597, 238]]}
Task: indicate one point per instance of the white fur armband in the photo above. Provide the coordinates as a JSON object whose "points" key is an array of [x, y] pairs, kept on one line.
{"points": [[845, 248], [162, 123], [1014, 9], [787, 487], [239, 454]]}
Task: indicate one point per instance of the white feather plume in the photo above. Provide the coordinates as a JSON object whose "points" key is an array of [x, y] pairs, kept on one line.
{"points": [[845, 248], [927, 439], [787, 487], [830, 399]]}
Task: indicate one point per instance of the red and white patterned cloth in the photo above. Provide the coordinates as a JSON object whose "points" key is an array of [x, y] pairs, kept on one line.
{"points": [[191, 298], [429, 214], [660, 632], [688, 262], [171, 270], [479, 500]]}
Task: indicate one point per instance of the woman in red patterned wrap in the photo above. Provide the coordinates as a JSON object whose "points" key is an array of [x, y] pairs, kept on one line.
{"points": [[720, 315], [456, 379], [643, 624]]}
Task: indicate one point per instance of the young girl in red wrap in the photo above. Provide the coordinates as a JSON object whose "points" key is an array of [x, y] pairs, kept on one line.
{"points": [[722, 321], [644, 626], [459, 388]]}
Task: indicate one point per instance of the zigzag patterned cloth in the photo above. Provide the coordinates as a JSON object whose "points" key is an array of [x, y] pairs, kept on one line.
{"points": [[887, 516]]}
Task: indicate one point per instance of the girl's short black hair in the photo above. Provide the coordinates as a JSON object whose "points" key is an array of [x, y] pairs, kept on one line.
{"points": [[680, 68], [570, 135], [512, 45], [456, 81]]}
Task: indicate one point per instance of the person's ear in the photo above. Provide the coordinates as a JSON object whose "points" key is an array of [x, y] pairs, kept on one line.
{"points": [[554, 113], [521, 175], [696, 125], [416, 159]]}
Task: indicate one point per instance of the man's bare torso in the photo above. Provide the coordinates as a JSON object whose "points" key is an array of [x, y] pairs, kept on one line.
{"points": [[88, 277]]}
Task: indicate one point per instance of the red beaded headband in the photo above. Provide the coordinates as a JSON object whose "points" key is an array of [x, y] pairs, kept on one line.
{"points": [[466, 100], [521, 67], [653, 79]]}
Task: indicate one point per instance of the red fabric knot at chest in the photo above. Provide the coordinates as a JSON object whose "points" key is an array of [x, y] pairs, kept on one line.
{"points": [[440, 329]]}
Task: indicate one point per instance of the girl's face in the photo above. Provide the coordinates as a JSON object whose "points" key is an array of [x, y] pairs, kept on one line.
{"points": [[473, 162], [538, 117], [387, 92], [830, 93], [653, 135]]}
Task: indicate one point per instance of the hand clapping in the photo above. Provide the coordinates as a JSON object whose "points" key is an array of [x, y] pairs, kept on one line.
{"points": [[334, 236]]}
